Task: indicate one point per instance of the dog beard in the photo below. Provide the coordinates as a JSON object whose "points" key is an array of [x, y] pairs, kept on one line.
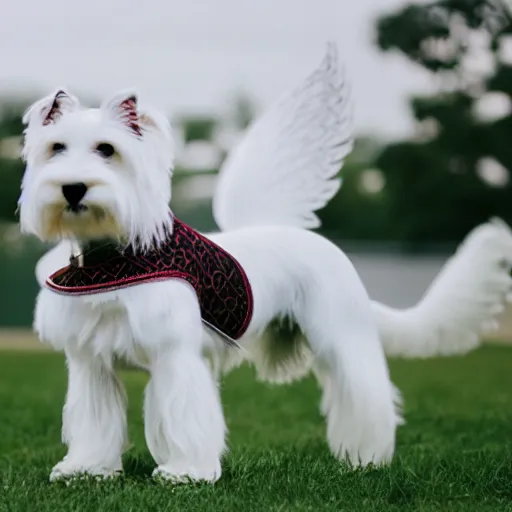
{"points": [[79, 222]]}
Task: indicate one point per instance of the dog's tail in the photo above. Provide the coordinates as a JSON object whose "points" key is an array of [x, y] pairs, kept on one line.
{"points": [[462, 302]]}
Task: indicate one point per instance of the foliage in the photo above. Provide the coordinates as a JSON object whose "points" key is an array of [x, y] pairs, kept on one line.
{"points": [[198, 128], [11, 169], [356, 213], [435, 182]]}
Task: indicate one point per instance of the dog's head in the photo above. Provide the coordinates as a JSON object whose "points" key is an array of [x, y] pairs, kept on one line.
{"points": [[95, 173]]}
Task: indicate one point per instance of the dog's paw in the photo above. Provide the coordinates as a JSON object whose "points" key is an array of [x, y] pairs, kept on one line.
{"points": [[67, 471], [179, 475]]}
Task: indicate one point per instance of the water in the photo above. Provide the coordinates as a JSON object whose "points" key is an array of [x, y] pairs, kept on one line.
{"points": [[396, 280]]}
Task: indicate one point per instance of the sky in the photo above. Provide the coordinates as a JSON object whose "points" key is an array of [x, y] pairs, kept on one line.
{"points": [[191, 56]]}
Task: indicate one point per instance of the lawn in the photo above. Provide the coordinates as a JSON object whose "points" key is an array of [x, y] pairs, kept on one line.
{"points": [[454, 453]]}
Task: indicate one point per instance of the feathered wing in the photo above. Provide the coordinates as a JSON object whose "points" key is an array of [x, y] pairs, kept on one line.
{"points": [[286, 166], [462, 303]]}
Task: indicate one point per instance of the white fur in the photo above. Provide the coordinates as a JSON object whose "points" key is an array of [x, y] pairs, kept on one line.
{"points": [[294, 273], [114, 197], [461, 305]]}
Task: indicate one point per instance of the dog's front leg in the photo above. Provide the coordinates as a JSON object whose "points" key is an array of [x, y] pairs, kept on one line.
{"points": [[184, 422], [185, 427], [94, 418]]}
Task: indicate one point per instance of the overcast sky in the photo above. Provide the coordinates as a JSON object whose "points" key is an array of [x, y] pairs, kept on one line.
{"points": [[190, 55]]}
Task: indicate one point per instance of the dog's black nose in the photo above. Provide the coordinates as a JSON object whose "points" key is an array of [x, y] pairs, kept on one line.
{"points": [[74, 192]]}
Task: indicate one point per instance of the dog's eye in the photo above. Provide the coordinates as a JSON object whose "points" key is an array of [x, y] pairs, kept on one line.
{"points": [[57, 147], [105, 150]]}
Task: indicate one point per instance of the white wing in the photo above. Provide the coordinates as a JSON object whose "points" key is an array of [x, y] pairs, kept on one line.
{"points": [[286, 166]]}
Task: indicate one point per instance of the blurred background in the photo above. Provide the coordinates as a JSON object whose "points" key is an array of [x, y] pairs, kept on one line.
{"points": [[432, 85]]}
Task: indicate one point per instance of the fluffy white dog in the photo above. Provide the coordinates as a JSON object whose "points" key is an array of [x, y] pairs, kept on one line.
{"points": [[100, 180]]}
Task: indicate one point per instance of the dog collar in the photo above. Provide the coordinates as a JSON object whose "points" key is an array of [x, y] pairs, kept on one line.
{"points": [[221, 284]]}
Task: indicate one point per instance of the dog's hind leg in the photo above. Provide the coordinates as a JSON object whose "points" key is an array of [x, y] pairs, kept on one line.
{"points": [[323, 376], [359, 400], [94, 418]]}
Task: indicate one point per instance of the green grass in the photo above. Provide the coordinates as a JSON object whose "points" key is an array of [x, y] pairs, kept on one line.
{"points": [[454, 453]]}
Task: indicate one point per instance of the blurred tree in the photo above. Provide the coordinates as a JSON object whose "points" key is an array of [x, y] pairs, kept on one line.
{"points": [[455, 172], [360, 209], [11, 167], [244, 111], [198, 127]]}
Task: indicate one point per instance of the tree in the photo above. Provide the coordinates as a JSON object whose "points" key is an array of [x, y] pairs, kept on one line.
{"points": [[11, 167], [358, 212], [441, 184]]}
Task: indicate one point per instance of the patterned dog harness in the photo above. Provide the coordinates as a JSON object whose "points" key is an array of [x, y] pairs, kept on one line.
{"points": [[221, 284]]}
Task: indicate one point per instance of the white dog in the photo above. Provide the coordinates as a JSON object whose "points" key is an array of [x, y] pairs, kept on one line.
{"points": [[104, 174]]}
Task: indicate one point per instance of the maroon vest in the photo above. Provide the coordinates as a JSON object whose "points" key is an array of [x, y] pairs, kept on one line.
{"points": [[221, 285]]}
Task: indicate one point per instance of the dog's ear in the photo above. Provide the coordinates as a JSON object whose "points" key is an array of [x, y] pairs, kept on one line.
{"points": [[122, 107], [50, 109], [152, 119]]}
